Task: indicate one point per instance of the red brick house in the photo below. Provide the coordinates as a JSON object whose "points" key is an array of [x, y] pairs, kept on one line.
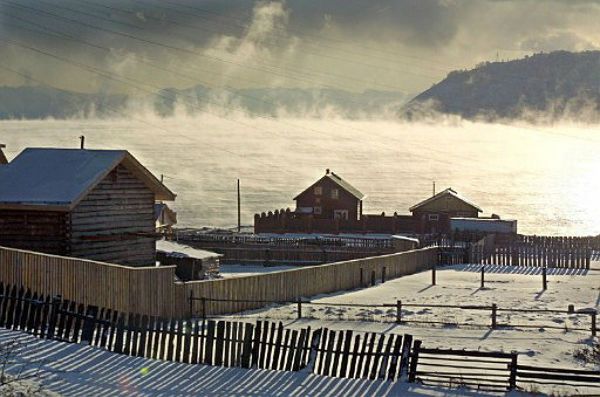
{"points": [[331, 197], [433, 214]]}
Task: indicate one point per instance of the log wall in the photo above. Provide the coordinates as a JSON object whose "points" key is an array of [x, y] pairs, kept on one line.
{"points": [[115, 221]]}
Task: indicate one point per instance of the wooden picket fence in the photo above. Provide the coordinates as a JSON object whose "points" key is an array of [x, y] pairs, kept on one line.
{"points": [[264, 345]]}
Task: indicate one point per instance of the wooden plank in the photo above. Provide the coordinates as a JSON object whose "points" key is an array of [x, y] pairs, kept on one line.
{"points": [[209, 343], [329, 353], [262, 351], [119, 334], [5, 305], [141, 351], [354, 357], [299, 350], [285, 350], [362, 356], [247, 347], [196, 341], [78, 322], [112, 331], [33, 313], [163, 329], [25, 306], [377, 357], [219, 343], [337, 354], [383, 373], [289, 362], [369, 356], [187, 345], [306, 348], [256, 344], [99, 328], [345, 353], [314, 347], [404, 360], [234, 345], [321, 352], [45, 322], [38, 325], [179, 341], [16, 316], [269, 351]]}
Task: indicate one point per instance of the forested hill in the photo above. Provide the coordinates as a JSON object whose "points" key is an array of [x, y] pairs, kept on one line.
{"points": [[552, 86]]}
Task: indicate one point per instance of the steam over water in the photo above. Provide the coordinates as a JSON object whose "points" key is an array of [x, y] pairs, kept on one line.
{"points": [[546, 177]]}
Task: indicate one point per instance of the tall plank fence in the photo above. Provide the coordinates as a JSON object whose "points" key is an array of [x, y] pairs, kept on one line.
{"points": [[154, 290]]}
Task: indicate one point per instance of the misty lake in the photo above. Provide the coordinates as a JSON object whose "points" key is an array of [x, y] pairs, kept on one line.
{"points": [[546, 177]]}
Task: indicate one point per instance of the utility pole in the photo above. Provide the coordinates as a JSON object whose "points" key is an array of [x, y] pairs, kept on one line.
{"points": [[434, 188], [82, 141], [239, 207]]}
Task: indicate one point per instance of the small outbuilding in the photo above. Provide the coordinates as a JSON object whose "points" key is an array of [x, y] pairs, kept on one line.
{"points": [[433, 215], [331, 197], [93, 204]]}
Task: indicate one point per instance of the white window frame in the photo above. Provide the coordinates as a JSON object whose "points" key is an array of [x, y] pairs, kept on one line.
{"points": [[317, 211], [340, 214], [433, 217], [318, 190], [335, 194]]}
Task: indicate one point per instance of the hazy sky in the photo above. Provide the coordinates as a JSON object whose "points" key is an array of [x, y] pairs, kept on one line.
{"points": [[349, 44]]}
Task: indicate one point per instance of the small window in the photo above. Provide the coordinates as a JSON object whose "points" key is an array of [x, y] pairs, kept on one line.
{"points": [[317, 200], [434, 217], [318, 190], [335, 194], [317, 210]]}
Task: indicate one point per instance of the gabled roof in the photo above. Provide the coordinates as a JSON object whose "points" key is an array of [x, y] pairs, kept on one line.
{"points": [[441, 194], [47, 178], [340, 182]]}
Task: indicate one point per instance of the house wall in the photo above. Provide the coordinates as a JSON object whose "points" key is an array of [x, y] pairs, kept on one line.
{"points": [[106, 225], [345, 200], [42, 231]]}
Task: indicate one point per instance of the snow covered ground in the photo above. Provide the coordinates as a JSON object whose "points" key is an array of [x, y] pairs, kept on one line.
{"points": [[76, 370], [228, 271], [508, 287]]}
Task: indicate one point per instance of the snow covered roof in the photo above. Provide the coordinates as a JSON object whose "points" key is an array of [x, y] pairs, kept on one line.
{"points": [[340, 182], [3, 159], [172, 247], [443, 193], [60, 178]]}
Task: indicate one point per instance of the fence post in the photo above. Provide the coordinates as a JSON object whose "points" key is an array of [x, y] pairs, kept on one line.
{"points": [[362, 278], [482, 277], [433, 270], [373, 278], [544, 280], [383, 275], [512, 381], [191, 303], [299, 308], [594, 315], [494, 309], [398, 311], [412, 370], [53, 316]]}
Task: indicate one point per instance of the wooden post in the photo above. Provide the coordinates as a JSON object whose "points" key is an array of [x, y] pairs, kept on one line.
{"points": [[239, 211], [373, 278], [53, 316], [398, 311], [433, 270], [594, 315], [383, 275], [191, 303], [494, 310], [299, 308], [482, 277], [362, 278], [203, 309], [544, 280], [512, 380]]}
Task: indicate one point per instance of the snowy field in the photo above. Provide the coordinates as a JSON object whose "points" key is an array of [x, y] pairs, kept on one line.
{"points": [[75, 370], [229, 271], [509, 287]]}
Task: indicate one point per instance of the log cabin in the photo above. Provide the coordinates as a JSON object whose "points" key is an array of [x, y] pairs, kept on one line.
{"points": [[92, 204], [331, 197], [433, 215]]}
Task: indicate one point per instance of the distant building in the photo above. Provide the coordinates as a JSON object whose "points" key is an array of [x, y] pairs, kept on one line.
{"points": [[331, 197], [165, 218], [93, 204], [433, 214]]}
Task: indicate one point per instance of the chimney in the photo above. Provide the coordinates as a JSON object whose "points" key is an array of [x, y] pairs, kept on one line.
{"points": [[3, 159], [327, 171], [82, 141]]}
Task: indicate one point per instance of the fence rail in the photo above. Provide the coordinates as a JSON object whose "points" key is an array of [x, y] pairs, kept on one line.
{"points": [[402, 316]]}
